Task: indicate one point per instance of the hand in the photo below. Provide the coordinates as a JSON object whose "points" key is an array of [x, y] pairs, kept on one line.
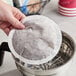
{"points": [[10, 18]]}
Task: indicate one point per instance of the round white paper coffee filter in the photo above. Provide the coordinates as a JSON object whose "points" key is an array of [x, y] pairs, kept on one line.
{"points": [[57, 43]]}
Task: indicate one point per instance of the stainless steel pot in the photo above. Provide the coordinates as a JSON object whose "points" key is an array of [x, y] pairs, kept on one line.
{"points": [[60, 63]]}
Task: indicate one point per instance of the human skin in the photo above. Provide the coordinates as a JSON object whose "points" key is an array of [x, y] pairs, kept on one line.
{"points": [[10, 18]]}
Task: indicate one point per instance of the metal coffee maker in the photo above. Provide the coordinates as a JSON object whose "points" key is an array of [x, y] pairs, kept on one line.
{"points": [[61, 62], [54, 67]]}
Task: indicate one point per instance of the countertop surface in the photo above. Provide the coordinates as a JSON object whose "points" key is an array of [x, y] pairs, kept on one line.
{"points": [[67, 24]]}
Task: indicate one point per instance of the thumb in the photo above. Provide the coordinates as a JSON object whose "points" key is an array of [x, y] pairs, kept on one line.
{"points": [[16, 23]]}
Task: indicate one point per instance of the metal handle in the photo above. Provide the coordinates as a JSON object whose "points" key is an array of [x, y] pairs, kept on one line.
{"points": [[3, 47]]}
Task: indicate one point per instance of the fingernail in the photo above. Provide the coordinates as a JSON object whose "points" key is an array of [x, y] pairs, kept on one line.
{"points": [[22, 26]]}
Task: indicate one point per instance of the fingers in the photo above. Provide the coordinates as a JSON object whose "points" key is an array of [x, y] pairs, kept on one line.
{"points": [[4, 24], [7, 30], [15, 17], [18, 14], [11, 17], [21, 14], [16, 23], [5, 27]]}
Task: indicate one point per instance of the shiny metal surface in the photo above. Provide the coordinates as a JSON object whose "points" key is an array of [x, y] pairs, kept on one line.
{"points": [[60, 62], [41, 4]]}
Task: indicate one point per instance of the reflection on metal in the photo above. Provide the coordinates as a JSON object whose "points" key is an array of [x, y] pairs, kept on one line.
{"points": [[31, 8], [66, 52]]}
